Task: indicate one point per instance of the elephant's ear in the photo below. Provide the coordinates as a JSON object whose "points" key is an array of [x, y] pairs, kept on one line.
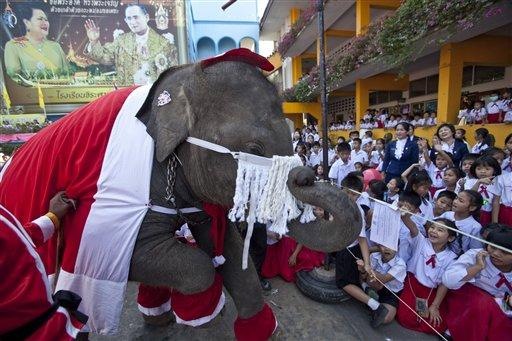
{"points": [[170, 124]]}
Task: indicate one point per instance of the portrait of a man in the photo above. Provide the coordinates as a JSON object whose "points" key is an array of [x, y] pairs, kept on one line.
{"points": [[139, 56]]}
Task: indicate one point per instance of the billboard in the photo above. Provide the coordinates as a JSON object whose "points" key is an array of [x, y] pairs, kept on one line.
{"points": [[78, 50]]}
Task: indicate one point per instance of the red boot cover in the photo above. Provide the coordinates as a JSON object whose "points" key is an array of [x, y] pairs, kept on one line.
{"points": [[197, 309], [260, 327], [153, 301]]}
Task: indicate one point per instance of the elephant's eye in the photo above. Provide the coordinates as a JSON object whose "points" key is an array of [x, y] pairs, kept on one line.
{"points": [[254, 148]]}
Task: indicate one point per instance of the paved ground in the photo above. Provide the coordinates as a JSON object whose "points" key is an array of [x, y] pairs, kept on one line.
{"points": [[300, 318]]}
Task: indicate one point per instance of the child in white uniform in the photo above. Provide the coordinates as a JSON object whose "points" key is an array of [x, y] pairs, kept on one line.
{"points": [[490, 270]]}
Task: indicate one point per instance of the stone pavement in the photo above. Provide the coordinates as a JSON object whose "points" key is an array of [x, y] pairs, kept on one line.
{"points": [[300, 318]]}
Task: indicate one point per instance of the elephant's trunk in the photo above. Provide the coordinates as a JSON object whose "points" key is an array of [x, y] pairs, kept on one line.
{"points": [[323, 235]]}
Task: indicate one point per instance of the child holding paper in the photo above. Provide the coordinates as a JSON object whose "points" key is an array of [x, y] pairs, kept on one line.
{"points": [[389, 269]]}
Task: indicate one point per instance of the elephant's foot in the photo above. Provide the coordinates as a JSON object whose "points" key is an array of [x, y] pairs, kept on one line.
{"points": [[159, 320]]}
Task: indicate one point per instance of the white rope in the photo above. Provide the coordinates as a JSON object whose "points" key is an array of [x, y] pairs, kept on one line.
{"points": [[408, 307], [435, 222]]}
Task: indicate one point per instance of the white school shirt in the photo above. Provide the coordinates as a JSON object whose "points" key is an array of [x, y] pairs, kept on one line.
{"points": [[489, 279], [508, 116], [400, 147], [330, 157], [429, 275], [364, 199], [436, 175], [339, 170], [503, 104], [469, 225], [315, 159], [503, 188], [485, 190], [404, 238], [506, 166], [395, 267], [359, 156], [493, 107], [376, 157], [479, 147], [478, 114], [391, 124], [363, 227], [421, 122]]}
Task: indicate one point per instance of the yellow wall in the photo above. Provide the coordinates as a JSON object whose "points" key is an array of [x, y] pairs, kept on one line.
{"points": [[500, 131]]}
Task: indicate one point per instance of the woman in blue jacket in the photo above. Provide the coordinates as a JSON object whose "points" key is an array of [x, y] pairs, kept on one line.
{"points": [[400, 153], [457, 147]]}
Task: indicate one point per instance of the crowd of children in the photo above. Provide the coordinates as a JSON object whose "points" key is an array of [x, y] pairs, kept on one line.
{"points": [[448, 205], [497, 109]]}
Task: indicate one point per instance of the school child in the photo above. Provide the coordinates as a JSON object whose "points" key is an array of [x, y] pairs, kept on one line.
{"points": [[483, 141], [466, 163], [432, 121], [493, 109], [341, 167], [504, 102], [347, 273], [479, 305], [420, 183], [358, 155], [443, 203], [465, 212], [505, 165], [410, 202], [508, 113], [387, 268], [395, 187], [479, 113], [502, 200], [423, 288], [392, 122], [415, 122], [285, 257], [483, 173], [315, 158], [484, 232], [450, 178], [377, 156], [423, 122], [358, 166], [435, 169]]}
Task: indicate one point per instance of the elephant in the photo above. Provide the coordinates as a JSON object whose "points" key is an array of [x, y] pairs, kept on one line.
{"points": [[228, 102]]}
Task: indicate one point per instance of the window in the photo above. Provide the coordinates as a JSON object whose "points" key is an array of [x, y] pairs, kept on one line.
{"points": [[424, 86], [478, 74], [378, 97]]}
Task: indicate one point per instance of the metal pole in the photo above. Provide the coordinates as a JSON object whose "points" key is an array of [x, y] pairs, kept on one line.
{"points": [[323, 90]]}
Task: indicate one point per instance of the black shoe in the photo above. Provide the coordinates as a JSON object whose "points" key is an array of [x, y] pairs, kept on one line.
{"points": [[379, 316], [265, 285]]}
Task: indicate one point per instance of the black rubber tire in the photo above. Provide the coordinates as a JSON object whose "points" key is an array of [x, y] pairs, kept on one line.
{"points": [[319, 289]]}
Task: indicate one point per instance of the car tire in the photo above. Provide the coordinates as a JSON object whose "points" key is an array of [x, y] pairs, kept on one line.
{"points": [[320, 285]]}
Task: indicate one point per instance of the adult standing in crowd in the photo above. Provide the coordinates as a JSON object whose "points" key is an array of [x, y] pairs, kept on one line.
{"points": [[400, 154], [450, 144]]}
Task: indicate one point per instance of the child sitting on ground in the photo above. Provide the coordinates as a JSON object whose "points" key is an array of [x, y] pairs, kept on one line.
{"points": [[347, 274], [389, 269]]}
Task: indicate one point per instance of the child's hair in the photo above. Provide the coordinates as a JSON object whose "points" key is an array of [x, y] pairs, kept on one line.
{"points": [[490, 227], [353, 133], [359, 164], [456, 170], [369, 133], [485, 161], [400, 183], [353, 182], [315, 168], [357, 173], [487, 138], [357, 139], [316, 144], [418, 178], [509, 136], [411, 198], [384, 142], [343, 147], [452, 231], [493, 151], [476, 200], [447, 194], [470, 156], [378, 188], [501, 236], [450, 155]]}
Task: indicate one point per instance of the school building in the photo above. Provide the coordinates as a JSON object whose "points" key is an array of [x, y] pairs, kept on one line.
{"points": [[472, 58]]}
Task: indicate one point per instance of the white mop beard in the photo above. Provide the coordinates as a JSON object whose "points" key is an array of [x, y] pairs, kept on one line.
{"points": [[261, 191]]}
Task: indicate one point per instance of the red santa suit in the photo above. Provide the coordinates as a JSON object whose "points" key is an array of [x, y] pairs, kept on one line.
{"points": [[32, 297]]}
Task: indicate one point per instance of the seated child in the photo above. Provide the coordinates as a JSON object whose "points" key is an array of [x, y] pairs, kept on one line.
{"points": [[347, 273], [481, 285], [395, 186], [389, 269], [423, 288], [285, 257], [465, 212], [443, 203]]}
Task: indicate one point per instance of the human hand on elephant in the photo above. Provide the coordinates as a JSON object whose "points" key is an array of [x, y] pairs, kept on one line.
{"points": [[60, 204]]}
